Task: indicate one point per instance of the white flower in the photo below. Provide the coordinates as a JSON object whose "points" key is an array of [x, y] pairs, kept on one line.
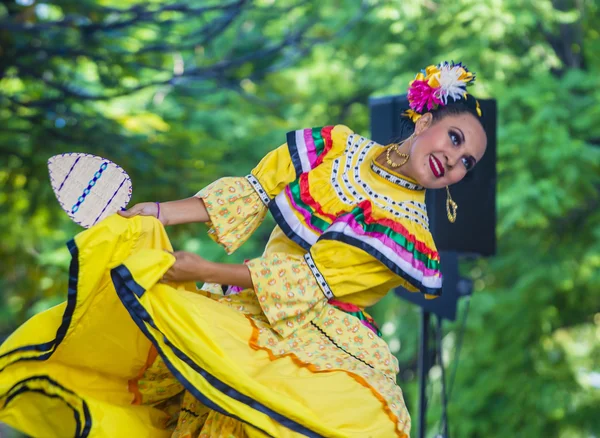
{"points": [[450, 83]]}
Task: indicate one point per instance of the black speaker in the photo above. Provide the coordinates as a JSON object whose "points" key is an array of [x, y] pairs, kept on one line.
{"points": [[474, 231]]}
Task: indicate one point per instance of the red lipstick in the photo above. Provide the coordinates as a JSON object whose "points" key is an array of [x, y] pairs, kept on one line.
{"points": [[436, 167]]}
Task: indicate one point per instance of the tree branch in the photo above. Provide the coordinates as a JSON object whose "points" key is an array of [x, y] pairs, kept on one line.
{"points": [[62, 85]]}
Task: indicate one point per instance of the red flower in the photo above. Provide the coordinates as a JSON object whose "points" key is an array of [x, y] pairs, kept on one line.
{"points": [[420, 94]]}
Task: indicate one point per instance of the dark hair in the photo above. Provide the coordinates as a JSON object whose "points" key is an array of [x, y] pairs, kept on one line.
{"points": [[468, 105]]}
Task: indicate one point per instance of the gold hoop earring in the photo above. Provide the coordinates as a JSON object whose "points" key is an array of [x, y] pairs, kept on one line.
{"points": [[394, 147], [451, 206]]}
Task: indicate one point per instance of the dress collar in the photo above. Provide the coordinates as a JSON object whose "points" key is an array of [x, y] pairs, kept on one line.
{"points": [[394, 178]]}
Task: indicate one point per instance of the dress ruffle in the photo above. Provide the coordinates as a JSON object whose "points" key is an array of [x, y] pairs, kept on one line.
{"points": [[221, 350]]}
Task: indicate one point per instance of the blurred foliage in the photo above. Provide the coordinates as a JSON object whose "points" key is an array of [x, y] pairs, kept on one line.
{"points": [[181, 93]]}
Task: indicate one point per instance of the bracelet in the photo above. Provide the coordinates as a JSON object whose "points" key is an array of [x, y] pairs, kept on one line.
{"points": [[158, 212]]}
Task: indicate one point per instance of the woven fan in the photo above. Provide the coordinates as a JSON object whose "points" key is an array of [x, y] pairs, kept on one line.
{"points": [[89, 188]]}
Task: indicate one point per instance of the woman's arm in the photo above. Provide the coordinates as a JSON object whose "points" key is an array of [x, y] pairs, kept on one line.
{"points": [[191, 267], [184, 211]]}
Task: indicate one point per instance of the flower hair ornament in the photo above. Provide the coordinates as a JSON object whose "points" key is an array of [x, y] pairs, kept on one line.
{"points": [[436, 86]]}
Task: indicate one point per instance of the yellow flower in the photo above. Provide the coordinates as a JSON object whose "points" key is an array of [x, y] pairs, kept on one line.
{"points": [[413, 115]]}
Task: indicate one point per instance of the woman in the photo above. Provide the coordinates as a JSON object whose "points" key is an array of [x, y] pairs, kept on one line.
{"points": [[137, 351]]}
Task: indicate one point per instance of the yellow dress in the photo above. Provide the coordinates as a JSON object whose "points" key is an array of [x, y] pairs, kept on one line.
{"points": [[127, 356]]}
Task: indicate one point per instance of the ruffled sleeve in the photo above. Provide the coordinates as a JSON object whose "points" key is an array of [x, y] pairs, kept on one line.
{"points": [[235, 211], [293, 289], [287, 291], [237, 206]]}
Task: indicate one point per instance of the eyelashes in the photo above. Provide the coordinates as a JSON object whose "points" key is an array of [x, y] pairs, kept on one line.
{"points": [[468, 162], [457, 140], [455, 137]]}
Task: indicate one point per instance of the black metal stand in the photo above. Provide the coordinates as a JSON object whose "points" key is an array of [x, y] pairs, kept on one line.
{"points": [[423, 370], [440, 357], [424, 366]]}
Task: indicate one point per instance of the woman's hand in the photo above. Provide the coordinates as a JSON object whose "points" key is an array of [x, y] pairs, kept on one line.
{"points": [[188, 267], [184, 211], [145, 209]]}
